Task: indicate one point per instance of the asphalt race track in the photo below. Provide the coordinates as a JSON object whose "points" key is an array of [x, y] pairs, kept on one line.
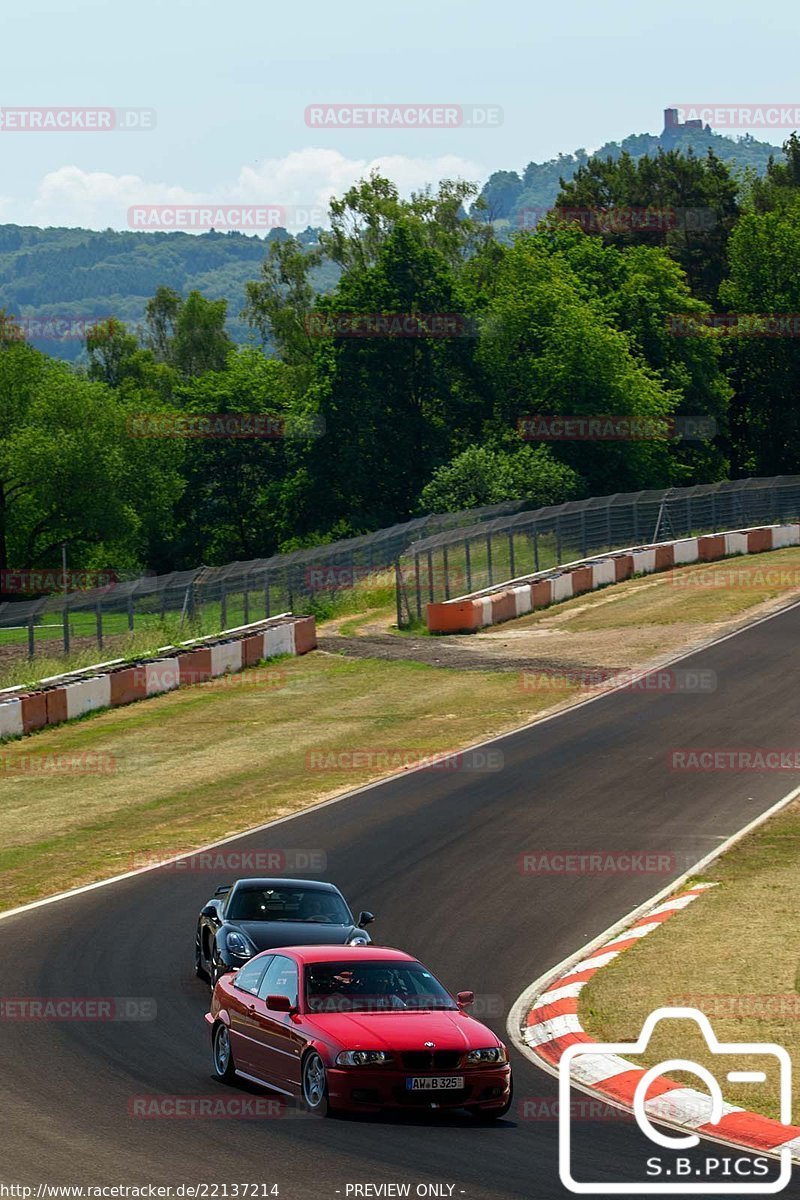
{"points": [[435, 855]]}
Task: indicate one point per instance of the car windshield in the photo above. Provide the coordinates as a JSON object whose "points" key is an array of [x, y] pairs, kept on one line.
{"points": [[373, 987], [287, 904]]}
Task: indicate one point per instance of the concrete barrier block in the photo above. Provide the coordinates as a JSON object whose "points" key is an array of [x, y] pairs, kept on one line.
{"points": [[581, 580], [226, 658], [34, 711], [562, 587], [711, 547], [542, 593], [644, 561], [452, 616], [665, 557], [523, 601], [194, 666], [162, 675], [56, 701], [279, 639], [128, 685], [785, 535], [759, 540], [604, 572], [305, 635], [11, 723], [736, 543], [684, 551], [503, 607], [623, 567], [87, 695]]}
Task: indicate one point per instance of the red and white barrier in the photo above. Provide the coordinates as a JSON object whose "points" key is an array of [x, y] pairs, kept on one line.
{"points": [[519, 596], [66, 697]]}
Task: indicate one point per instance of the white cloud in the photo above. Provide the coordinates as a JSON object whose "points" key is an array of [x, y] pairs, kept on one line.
{"points": [[305, 179]]}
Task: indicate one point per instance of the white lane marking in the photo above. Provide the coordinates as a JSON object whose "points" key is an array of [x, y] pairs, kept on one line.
{"points": [[685, 1106], [568, 992], [595, 962], [594, 1068], [376, 783], [548, 1031]]}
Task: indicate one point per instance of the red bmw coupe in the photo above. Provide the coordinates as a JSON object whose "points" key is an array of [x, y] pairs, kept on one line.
{"points": [[360, 1028]]}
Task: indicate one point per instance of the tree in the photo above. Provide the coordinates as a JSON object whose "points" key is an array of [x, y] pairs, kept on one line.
{"points": [[480, 475]]}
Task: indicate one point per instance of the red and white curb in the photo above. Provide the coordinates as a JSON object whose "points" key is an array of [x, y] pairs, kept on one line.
{"points": [[552, 1024]]}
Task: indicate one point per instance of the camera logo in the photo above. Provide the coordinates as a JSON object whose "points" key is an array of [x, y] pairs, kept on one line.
{"points": [[598, 1060]]}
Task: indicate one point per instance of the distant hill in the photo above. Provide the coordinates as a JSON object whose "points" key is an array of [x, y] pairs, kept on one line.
{"points": [[511, 196], [78, 274]]}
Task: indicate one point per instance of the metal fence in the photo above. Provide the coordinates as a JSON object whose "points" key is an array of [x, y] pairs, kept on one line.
{"points": [[208, 599], [458, 561]]}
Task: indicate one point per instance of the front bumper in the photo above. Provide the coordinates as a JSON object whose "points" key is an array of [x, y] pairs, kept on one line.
{"points": [[365, 1089]]}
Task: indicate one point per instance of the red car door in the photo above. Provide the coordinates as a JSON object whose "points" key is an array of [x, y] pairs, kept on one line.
{"points": [[279, 1034], [245, 1037]]}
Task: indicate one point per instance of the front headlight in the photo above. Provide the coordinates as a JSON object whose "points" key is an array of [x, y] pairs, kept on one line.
{"points": [[497, 1054], [359, 939], [362, 1058], [238, 945]]}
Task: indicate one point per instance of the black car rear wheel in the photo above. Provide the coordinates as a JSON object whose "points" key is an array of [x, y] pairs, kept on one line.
{"points": [[222, 1054], [199, 969]]}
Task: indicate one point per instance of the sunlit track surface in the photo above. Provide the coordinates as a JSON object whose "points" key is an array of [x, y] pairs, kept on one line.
{"points": [[435, 855]]}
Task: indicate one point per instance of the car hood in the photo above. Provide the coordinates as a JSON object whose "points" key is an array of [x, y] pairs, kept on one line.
{"points": [[268, 935], [403, 1030]]}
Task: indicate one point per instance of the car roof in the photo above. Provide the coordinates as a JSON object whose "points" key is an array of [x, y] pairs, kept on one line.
{"points": [[318, 954], [316, 885]]}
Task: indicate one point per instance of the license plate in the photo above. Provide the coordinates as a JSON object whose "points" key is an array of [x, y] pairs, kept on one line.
{"points": [[434, 1083]]}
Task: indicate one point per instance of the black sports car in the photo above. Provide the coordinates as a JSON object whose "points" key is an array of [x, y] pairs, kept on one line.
{"points": [[253, 915]]}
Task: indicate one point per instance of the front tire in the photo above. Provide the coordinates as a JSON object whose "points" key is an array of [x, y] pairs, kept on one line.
{"points": [[222, 1054], [315, 1085]]}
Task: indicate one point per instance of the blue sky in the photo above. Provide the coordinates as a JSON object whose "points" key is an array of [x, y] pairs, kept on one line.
{"points": [[230, 84]]}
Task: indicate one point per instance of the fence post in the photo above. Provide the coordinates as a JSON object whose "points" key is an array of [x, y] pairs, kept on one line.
{"points": [[430, 575], [66, 628], [398, 593], [468, 563], [130, 613], [223, 607], [266, 596], [417, 587], [98, 612], [536, 547], [246, 601], [558, 540], [446, 568], [636, 522], [583, 533], [31, 638], [290, 594], [489, 557], [511, 552]]}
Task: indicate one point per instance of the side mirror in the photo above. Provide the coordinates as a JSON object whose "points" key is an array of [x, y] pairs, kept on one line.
{"points": [[210, 910], [463, 999], [365, 918], [280, 1004]]}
